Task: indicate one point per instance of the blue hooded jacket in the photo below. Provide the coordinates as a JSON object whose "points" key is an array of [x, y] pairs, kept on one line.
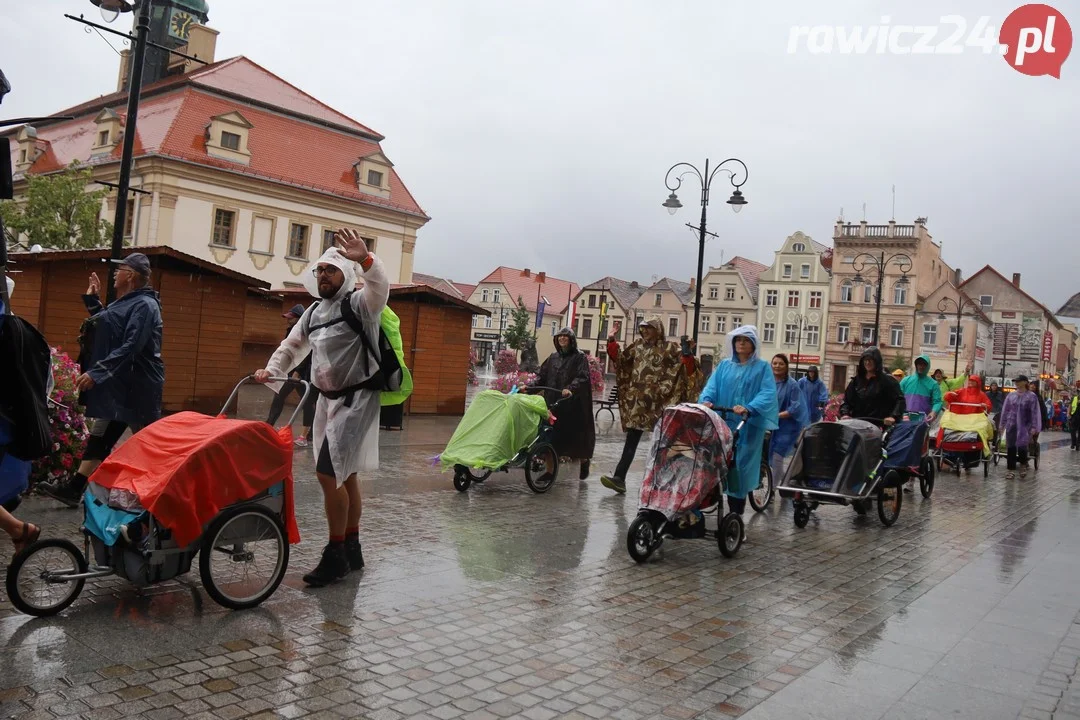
{"points": [[126, 364], [751, 385], [815, 395]]}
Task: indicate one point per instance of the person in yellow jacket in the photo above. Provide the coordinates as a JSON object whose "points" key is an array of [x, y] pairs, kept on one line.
{"points": [[949, 384]]}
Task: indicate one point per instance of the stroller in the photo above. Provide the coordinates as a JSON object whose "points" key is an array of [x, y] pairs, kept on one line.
{"points": [[843, 463], [691, 451], [183, 486], [503, 432], [960, 444]]}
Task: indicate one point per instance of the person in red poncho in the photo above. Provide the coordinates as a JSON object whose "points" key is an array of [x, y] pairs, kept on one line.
{"points": [[970, 395]]}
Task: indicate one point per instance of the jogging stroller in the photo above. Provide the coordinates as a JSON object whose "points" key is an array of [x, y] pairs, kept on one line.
{"points": [[841, 463], [685, 475]]}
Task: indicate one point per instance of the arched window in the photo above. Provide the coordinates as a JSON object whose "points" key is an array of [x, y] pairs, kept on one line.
{"points": [[845, 291], [798, 247]]}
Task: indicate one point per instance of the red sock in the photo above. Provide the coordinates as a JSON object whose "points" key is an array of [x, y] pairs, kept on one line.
{"points": [[337, 538], [352, 531]]}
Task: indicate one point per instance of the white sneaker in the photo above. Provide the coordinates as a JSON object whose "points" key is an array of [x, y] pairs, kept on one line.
{"points": [[301, 442]]}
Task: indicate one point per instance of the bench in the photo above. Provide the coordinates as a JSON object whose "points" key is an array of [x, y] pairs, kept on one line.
{"points": [[609, 403]]}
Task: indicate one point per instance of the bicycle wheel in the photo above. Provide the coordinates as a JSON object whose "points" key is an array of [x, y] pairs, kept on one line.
{"points": [[35, 582], [926, 477], [760, 498], [244, 556], [889, 500]]}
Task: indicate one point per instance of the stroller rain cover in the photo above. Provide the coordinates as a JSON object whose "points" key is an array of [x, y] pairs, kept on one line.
{"points": [[687, 459], [187, 467], [494, 429]]}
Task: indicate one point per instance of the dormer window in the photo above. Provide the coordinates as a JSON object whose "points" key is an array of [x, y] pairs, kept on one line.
{"points": [[227, 138], [109, 130], [230, 141], [22, 156], [373, 174], [28, 148]]}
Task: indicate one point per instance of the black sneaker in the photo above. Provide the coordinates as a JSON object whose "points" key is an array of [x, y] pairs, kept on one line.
{"points": [[63, 492], [354, 553], [613, 483], [584, 474], [333, 566]]}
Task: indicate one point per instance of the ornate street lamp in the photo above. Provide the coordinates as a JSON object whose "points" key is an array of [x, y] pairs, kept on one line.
{"points": [[960, 306], [868, 261], [736, 201]]}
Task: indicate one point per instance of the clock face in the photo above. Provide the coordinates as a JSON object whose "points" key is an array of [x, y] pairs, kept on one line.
{"points": [[180, 24]]}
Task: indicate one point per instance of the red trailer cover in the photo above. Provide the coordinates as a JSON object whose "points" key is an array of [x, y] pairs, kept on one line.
{"points": [[188, 467]]}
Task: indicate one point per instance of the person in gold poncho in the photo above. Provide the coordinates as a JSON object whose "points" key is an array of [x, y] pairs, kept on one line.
{"points": [[651, 373]]}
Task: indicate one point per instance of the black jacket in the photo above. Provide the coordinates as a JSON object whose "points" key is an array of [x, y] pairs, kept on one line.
{"points": [[574, 433], [877, 398]]}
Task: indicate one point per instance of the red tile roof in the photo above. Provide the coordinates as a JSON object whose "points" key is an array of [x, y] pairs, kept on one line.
{"points": [[558, 292], [295, 140], [465, 289]]}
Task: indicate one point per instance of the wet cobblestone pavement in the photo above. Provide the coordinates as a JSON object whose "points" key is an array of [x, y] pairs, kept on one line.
{"points": [[500, 603]]}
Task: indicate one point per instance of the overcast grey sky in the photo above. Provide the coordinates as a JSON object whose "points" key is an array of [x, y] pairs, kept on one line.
{"points": [[537, 133]]}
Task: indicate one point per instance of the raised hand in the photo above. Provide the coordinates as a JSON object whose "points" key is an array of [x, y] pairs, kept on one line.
{"points": [[95, 285], [351, 244]]}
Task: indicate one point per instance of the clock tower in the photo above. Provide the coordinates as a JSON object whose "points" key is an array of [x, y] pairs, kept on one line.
{"points": [[170, 23]]}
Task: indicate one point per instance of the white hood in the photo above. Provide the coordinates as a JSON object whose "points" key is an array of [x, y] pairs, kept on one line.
{"points": [[331, 257], [10, 285], [745, 331]]}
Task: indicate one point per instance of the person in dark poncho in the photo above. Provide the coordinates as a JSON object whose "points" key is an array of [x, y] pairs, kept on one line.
{"points": [[567, 370], [872, 393]]}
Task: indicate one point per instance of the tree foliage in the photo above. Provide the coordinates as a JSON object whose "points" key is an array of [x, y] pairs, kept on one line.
{"points": [[59, 211], [900, 362], [518, 332]]}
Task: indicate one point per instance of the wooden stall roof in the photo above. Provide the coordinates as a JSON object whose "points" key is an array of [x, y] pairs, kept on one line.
{"points": [[166, 258], [403, 291]]}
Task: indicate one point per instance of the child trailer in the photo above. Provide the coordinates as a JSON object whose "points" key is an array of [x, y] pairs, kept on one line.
{"points": [[186, 485]]}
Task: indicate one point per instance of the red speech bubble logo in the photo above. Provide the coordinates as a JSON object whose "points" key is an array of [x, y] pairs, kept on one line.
{"points": [[1037, 40]]}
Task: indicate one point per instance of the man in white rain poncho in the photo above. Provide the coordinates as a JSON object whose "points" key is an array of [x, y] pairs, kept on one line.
{"points": [[345, 435]]}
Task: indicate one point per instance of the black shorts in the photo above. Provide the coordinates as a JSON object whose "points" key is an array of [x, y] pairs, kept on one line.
{"points": [[324, 464], [104, 434]]}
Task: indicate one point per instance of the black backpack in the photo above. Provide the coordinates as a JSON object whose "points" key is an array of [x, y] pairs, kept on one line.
{"points": [[25, 365], [390, 374]]}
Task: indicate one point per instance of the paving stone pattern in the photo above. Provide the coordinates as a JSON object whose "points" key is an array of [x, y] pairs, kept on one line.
{"points": [[499, 603]]}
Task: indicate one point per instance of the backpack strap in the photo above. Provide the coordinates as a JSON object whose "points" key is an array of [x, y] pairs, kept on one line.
{"points": [[348, 316]]}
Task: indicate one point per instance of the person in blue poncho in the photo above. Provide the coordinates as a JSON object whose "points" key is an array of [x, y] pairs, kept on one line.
{"points": [[814, 393], [744, 382], [793, 416]]}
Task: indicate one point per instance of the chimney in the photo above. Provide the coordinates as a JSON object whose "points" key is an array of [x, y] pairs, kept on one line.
{"points": [[692, 280], [957, 277], [541, 277], [633, 284], [1016, 280], [125, 61], [526, 273], [202, 43]]}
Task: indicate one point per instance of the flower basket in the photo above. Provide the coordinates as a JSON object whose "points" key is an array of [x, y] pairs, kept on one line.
{"points": [[69, 431]]}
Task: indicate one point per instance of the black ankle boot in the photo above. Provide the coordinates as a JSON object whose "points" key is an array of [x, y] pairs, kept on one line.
{"points": [[333, 566], [354, 553]]}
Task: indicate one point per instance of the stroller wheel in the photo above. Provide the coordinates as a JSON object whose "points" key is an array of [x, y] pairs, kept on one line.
{"points": [[478, 475], [802, 515], [541, 468], [462, 478], [34, 577], [926, 478], [641, 539], [889, 499], [730, 534], [986, 468], [244, 556]]}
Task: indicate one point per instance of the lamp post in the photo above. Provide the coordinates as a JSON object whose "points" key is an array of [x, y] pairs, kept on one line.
{"points": [[960, 305], [736, 201], [879, 262], [801, 323], [110, 10]]}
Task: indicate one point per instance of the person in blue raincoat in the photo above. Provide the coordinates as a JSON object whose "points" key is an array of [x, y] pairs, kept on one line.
{"points": [[815, 394], [744, 382], [793, 416], [124, 382]]}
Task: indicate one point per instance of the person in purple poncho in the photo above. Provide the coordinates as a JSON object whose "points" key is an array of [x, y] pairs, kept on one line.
{"points": [[1021, 422]]}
